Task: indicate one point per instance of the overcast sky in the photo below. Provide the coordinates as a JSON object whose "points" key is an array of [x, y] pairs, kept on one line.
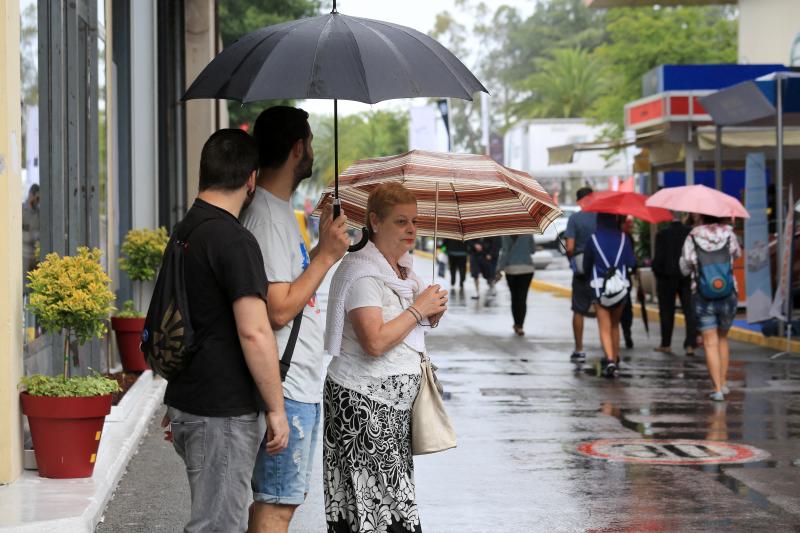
{"points": [[418, 14]]}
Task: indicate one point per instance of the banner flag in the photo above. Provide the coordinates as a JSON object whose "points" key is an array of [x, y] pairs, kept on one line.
{"points": [[756, 240], [782, 294]]}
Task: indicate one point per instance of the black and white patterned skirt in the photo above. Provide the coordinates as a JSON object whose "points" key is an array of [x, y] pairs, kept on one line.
{"points": [[368, 466]]}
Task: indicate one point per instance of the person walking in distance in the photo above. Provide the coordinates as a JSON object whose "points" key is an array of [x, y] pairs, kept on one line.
{"points": [[580, 227], [212, 406], [516, 262], [457, 260], [483, 261], [707, 256], [280, 481], [671, 282], [610, 261], [626, 321]]}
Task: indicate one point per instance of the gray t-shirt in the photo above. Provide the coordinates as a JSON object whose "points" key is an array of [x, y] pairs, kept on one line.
{"points": [[273, 223], [581, 226]]}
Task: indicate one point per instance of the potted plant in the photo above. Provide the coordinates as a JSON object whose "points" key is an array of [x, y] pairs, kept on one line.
{"points": [[143, 250], [69, 295]]}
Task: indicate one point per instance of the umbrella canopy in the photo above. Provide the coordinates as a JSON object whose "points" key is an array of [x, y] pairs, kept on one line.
{"points": [[334, 56], [477, 197], [698, 199], [623, 203]]}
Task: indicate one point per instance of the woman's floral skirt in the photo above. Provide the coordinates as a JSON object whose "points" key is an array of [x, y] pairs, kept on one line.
{"points": [[368, 466]]}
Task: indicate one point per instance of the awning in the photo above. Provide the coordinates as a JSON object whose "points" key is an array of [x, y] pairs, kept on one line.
{"points": [[745, 137], [565, 153]]}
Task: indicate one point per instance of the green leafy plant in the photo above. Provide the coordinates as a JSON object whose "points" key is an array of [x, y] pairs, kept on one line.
{"points": [[77, 386], [143, 250], [128, 310], [71, 294]]}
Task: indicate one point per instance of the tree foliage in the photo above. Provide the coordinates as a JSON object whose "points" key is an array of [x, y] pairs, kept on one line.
{"points": [[237, 18], [643, 38], [370, 134], [565, 85]]}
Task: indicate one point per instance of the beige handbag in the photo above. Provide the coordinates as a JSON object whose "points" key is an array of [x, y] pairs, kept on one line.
{"points": [[431, 430]]}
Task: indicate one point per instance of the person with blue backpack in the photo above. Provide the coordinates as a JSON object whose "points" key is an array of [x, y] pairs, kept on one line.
{"points": [[609, 261], [707, 255]]}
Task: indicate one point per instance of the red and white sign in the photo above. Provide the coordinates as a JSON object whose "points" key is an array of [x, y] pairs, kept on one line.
{"points": [[671, 452], [669, 106]]}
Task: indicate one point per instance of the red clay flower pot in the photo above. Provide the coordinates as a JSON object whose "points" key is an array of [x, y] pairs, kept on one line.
{"points": [[129, 337], [66, 432]]}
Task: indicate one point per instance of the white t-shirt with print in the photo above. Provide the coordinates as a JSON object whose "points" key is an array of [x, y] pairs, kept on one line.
{"points": [[272, 221]]}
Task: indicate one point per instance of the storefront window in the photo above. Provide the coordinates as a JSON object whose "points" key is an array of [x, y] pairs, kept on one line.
{"points": [[29, 77], [102, 131]]}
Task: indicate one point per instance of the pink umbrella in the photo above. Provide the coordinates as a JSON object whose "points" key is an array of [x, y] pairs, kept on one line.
{"points": [[698, 199]]}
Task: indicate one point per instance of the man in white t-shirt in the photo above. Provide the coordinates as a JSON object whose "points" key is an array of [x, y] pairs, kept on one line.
{"points": [[280, 482]]}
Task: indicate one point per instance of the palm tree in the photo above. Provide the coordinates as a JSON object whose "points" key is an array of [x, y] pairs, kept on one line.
{"points": [[565, 85]]}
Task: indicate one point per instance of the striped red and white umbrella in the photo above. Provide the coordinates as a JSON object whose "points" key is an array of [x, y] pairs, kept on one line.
{"points": [[477, 197]]}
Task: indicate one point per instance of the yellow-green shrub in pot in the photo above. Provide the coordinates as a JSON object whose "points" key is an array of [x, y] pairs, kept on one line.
{"points": [[69, 295]]}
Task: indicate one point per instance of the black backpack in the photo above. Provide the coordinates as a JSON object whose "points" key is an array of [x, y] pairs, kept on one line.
{"points": [[168, 339]]}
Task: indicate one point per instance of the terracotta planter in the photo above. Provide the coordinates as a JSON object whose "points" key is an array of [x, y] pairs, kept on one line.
{"points": [[66, 432], [129, 333]]}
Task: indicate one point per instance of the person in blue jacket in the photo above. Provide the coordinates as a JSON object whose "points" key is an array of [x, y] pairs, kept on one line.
{"points": [[609, 247]]}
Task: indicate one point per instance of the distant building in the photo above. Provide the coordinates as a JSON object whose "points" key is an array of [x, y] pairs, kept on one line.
{"points": [[526, 148]]}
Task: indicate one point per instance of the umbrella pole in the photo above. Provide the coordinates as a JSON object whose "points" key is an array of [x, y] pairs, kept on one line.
{"points": [[435, 230]]}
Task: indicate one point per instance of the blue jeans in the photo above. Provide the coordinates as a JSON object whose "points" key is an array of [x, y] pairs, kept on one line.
{"points": [[714, 314], [219, 453], [285, 478]]}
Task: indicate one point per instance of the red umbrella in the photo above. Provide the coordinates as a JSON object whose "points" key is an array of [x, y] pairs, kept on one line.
{"points": [[623, 203]]}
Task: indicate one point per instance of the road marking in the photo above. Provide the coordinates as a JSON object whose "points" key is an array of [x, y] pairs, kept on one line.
{"points": [[671, 452]]}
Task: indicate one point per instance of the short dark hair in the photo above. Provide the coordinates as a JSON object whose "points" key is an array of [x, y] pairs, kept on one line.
{"points": [[710, 219], [227, 160], [583, 191], [276, 130]]}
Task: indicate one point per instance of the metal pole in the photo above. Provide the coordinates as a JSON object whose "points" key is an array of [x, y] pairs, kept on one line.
{"points": [[435, 231], [689, 158], [718, 158], [779, 166]]}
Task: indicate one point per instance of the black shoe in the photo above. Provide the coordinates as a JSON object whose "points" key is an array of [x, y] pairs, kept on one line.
{"points": [[628, 343], [610, 369], [577, 357]]}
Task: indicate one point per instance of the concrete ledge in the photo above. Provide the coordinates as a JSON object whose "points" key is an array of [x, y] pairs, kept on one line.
{"points": [[37, 505], [737, 334]]}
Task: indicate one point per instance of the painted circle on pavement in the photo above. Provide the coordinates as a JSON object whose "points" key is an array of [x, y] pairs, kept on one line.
{"points": [[671, 451]]}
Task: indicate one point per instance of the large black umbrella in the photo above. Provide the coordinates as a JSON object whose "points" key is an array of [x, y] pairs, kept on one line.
{"points": [[334, 56]]}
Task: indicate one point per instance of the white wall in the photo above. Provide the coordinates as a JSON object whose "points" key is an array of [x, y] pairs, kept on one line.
{"points": [[526, 147], [426, 130], [144, 132], [767, 29]]}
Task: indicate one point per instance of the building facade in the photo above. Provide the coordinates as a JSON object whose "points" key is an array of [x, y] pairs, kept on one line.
{"points": [[91, 115]]}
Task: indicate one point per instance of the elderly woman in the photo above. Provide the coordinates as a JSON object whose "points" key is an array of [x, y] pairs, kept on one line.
{"points": [[374, 331]]}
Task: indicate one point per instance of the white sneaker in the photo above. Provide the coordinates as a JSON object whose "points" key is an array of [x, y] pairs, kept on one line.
{"points": [[717, 396], [725, 390]]}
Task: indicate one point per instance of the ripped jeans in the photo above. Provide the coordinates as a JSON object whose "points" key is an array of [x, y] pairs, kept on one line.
{"points": [[285, 478]]}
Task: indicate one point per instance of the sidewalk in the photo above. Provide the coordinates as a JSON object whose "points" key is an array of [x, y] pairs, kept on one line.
{"points": [[522, 410]]}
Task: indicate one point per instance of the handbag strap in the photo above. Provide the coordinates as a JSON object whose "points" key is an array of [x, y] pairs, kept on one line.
{"points": [[286, 360]]}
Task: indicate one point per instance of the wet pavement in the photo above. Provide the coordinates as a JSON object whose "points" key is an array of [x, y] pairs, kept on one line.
{"points": [[521, 410]]}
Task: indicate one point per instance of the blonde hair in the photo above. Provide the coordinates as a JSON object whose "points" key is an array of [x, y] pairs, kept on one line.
{"points": [[384, 197]]}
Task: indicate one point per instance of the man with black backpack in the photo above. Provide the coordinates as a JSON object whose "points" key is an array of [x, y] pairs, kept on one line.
{"points": [[212, 397], [280, 481]]}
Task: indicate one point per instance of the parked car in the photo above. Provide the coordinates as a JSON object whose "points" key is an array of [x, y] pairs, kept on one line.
{"points": [[555, 231]]}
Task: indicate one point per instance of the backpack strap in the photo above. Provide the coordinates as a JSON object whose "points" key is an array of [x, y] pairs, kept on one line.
{"points": [[621, 247], [600, 251]]}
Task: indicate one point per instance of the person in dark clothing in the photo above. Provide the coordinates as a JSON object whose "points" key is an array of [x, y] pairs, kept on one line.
{"points": [[516, 260], [483, 254], [457, 259], [609, 248], [671, 282], [580, 228], [626, 321], [213, 414]]}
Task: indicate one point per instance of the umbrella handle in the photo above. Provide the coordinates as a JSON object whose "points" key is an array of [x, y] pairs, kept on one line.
{"points": [[337, 210]]}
